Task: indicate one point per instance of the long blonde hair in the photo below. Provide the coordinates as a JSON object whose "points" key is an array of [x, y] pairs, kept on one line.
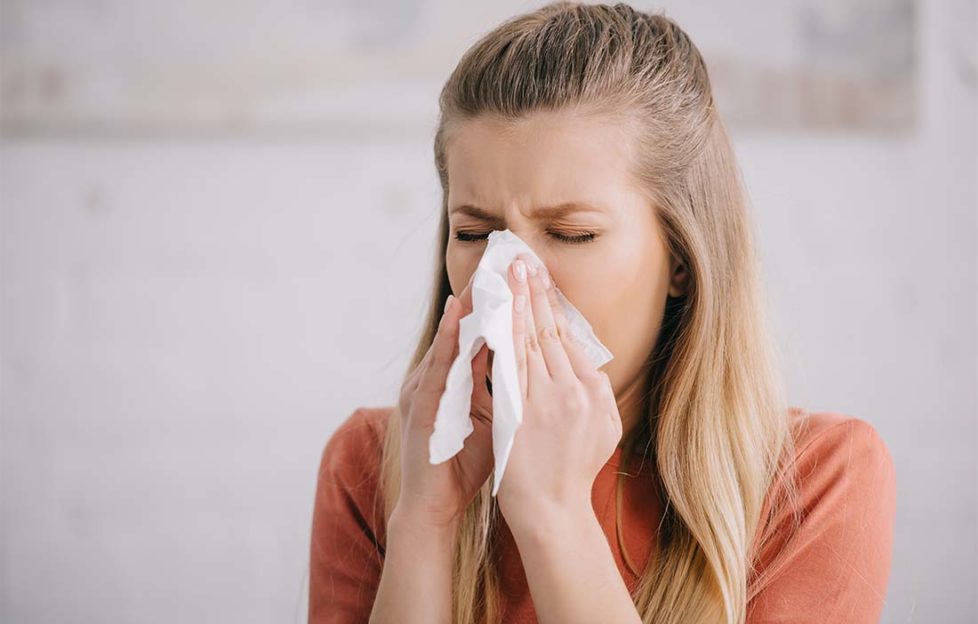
{"points": [[717, 420]]}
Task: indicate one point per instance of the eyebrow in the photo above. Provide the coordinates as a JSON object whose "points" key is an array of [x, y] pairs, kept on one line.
{"points": [[543, 212]]}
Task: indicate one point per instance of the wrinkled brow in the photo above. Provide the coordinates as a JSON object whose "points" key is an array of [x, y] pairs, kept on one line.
{"points": [[544, 212]]}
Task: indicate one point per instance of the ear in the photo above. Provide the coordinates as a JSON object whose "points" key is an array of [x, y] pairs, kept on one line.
{"points": [[678, 278]]}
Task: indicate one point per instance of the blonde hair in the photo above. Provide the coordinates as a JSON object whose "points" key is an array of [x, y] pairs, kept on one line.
{"points": [[717, 421]]}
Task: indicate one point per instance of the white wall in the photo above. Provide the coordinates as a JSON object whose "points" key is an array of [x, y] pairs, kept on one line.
{"points": [[185, 321]]}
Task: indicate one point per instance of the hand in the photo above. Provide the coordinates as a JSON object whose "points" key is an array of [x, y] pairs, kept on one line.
{"points": [[438, 494], [571, 424]]}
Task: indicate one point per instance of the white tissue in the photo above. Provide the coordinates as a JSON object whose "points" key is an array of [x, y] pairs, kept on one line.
{"points": [[491, 322]]}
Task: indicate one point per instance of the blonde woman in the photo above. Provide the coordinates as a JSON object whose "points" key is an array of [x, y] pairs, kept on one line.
{"points": [[673, 486]]}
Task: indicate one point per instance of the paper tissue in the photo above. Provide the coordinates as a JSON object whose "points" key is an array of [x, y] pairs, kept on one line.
{"points": [[491, 323]]}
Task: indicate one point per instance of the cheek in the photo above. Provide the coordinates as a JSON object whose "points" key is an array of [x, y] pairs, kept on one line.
{"points": [[599, 289], [598, 302], [460, 264], [603, 309], [624, 307]]}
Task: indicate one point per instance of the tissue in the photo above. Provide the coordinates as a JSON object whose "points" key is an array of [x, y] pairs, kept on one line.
{"points": [[491, 323]]}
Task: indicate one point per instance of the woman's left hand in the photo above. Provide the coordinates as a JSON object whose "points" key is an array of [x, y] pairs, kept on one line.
{"points": [[571, 424]]}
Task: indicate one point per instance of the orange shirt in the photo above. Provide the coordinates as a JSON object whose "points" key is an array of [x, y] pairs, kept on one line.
{"points": [[834, 568]]}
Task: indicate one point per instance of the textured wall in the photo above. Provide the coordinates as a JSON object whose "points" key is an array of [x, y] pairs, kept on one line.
{"points": [[215, 242]]}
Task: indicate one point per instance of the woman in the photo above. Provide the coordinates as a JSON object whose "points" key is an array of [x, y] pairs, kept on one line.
{"points": [[673, 486]]}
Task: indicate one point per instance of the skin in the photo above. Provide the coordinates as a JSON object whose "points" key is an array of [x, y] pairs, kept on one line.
{"points": [[574, 415], [619, 281]]}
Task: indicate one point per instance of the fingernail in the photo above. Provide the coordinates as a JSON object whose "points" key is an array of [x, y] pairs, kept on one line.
{"points": [[448, 302], [520, 271]]}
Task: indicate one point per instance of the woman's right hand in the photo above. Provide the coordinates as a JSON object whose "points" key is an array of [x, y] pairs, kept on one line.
{"points": [[438, 494]]}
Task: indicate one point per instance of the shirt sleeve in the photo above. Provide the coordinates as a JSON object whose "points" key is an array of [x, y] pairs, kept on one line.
{"points": [[835, 566], [346, 554]]}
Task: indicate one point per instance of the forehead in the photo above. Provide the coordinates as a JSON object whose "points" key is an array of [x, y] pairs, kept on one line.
{"points": [[546, 158]]}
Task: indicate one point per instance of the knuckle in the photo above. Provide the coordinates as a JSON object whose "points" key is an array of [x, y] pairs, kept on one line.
{"points": [[572, 404], [531, 343], [548, 333], [431, 387], [597, 388], [599, 382], [575, 401], [440, 358], [552, 412]]}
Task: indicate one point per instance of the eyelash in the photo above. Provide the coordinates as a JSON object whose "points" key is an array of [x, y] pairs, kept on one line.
{"points": [[580, 239]]}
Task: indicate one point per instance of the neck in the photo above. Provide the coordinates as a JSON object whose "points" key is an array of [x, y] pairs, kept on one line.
{"points": [[633, 405]]}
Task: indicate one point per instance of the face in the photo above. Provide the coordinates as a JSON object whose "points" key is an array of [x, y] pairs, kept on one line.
{"points": [[617, 272]]}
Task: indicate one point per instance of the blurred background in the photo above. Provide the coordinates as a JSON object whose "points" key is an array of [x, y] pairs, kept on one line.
{"points": [[217, 225]]}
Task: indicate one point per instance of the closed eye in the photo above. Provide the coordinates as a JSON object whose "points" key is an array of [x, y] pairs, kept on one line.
{"points": [[577, 239]]}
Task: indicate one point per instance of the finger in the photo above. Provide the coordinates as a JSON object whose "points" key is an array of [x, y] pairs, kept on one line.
{"points": [[551, 347], [420, 371], [583, 367], [481, 399], [443, 350], [411, 386], [412, 383], [536, 368], [423, 364], [517, 283]]}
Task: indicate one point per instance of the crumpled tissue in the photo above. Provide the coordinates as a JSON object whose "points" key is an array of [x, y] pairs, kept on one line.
{"points": [[491, 323]]}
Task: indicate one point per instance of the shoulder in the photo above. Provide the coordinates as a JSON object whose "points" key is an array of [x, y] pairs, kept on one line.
{"points": [[832, 541], [348, 527], [830, 446], [361, 434], [349, 467], [357, 441], [816, 429], [837, 453], [844, 469]]}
